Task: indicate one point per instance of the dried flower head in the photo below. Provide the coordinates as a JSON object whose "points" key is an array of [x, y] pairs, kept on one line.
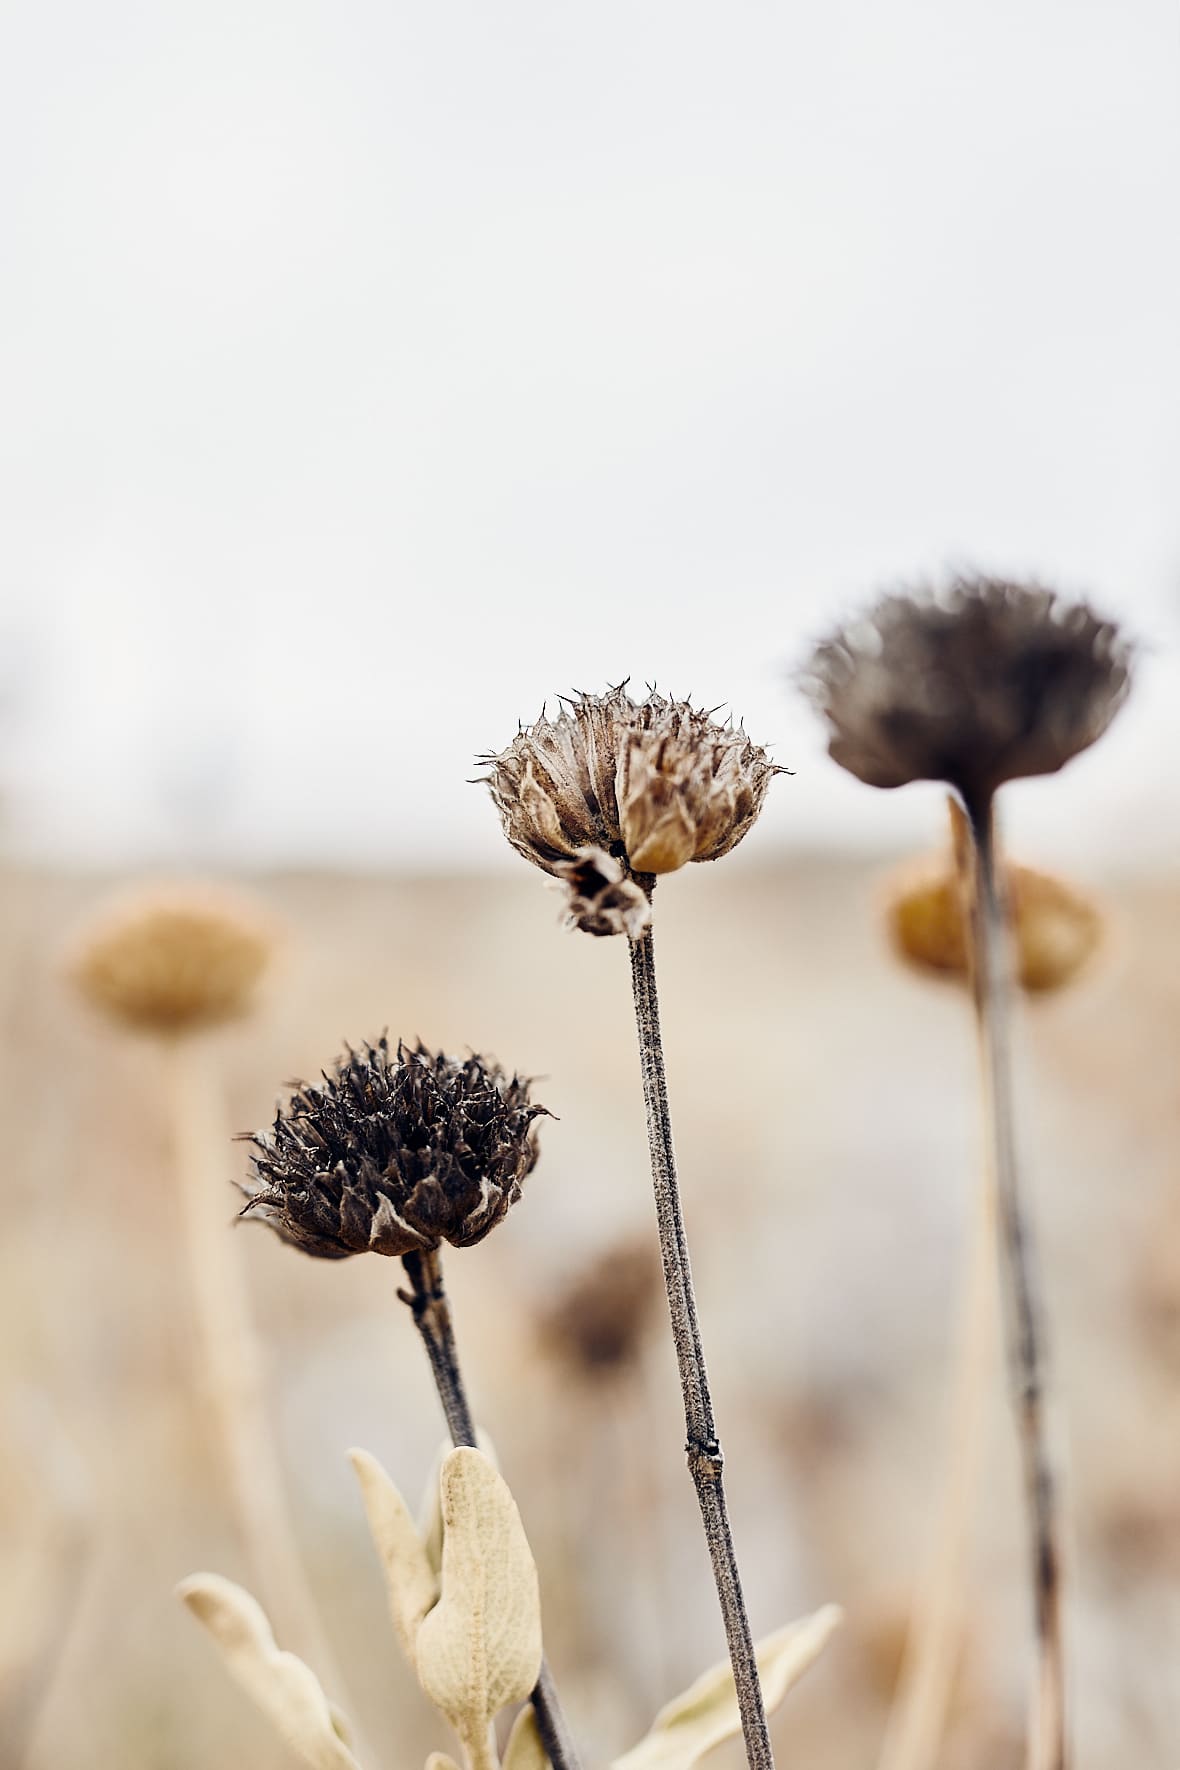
{"points": [[597, 1325], [985, 682], [1057, 929], [600, 898], [394, 1152], [174, 959], [655, 783]]}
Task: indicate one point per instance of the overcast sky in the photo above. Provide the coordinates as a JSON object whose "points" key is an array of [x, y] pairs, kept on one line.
{"points": [[371, 369]]}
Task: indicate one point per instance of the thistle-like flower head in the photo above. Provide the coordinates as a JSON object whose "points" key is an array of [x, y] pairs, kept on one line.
{"points": [[985, 682], [652, 783], [173, 959], [395, 1152]]}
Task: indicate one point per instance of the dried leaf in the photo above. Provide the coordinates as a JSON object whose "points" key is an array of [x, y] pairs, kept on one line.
{"points": [[707, 1712], [430, 1523], [411, 1580], [524, 1750], [480, 1647], [287, 1691]]}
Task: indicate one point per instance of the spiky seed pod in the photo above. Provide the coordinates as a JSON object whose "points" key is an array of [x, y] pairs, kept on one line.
{"points": [[1057, 929], [394, 1153], [656, 783], [173, 959], [986, 681]]}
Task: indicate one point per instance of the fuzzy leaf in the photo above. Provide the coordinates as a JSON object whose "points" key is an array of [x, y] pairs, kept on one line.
{"points": [[524, 1750], [480, 1647], [707, 1712], [440, 1761], [412, 1582], [287, 1691], [430, 1524]]}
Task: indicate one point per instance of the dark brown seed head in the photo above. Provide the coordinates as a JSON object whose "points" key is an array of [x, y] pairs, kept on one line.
{"points": [[983, 683], [655, 783], [394, 1152], [597, 1325]]}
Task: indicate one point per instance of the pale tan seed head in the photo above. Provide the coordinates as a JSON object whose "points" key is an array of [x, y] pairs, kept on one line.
{"points": [[1057, 929], [654, 784], [173, 959]]}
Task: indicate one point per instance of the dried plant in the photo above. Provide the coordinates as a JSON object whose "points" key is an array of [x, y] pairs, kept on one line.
{"points": [[469, 1624], [396, 1154], [1057, 930], [174, 964], [978, 685], [606, 796], [596, 1325]]}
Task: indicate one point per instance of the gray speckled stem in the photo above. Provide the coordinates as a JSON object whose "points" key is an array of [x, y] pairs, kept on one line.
{"points": [[703, 1448]]}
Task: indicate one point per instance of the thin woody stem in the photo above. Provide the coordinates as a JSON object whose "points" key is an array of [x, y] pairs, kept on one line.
{"points": [[1047, 1748], [431, 1309], [703, 1448]]}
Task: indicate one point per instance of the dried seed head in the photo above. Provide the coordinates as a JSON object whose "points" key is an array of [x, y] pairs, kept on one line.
{"points": [[174, 959], [1057, 929], [983, 683], [654, 783], [597, 1325], [396, 1153]]}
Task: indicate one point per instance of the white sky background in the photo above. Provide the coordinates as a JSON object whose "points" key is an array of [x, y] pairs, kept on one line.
{"points": [[372, 368]]}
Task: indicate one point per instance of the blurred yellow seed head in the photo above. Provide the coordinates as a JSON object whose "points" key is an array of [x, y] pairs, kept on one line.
{"points": [[1057, 929], [173, 959]]}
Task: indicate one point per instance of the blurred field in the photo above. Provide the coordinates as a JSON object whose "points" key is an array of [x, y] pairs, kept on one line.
{"points": [[826, 1128]]}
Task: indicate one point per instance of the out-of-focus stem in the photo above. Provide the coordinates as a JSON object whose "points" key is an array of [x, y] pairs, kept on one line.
{"points": [[231, 1360], [934, 1641], [703, 1448], [431, 1309], [1047, 1748]]}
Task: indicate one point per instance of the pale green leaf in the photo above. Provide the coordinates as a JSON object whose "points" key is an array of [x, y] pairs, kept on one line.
{"points": [[524, 1750], [287, 1691], [480, 1647], [411, 1581], [707, 1712]]}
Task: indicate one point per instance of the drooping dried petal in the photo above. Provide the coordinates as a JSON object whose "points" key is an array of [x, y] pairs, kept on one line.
{"points": [[655, 783], [600, 898], [986, 682], [395, 1152]]}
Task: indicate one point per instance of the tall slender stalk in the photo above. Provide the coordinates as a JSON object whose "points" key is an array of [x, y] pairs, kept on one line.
{"points": [[431, 1309], [702, 1446], [232, 1362], [1047, 1749], [934, 1640]]}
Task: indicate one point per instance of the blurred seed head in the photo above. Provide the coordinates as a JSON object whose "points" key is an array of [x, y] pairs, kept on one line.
{"points": [[655, 783], [984, 682], [395, 1152], [173, 959], [597, 1325], [1057, 929]]}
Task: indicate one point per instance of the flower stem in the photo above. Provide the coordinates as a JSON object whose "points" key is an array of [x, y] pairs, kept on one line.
{"points": [[934, 1639], [232, 1361], [431, 1309], [702, 1446], [1026, 1352]]}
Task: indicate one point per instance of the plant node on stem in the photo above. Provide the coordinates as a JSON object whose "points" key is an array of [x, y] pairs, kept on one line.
{"points": [[1026, 1353], [430, 1307], [705, 1460]]}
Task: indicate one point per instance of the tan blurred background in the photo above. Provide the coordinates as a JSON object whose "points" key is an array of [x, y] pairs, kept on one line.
{"points": [[826, 1128]]}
